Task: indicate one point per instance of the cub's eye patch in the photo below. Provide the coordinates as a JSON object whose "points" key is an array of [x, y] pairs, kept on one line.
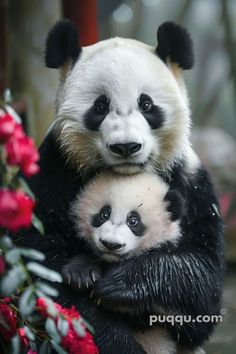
{"points": [[153, 114], [135, 224], [96, 114], [101, 217]]}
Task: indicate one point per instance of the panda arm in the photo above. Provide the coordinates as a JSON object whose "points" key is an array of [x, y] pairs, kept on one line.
{"points": [[183, 280]]}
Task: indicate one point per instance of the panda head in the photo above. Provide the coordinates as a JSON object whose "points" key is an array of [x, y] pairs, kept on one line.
{"points": [[121, 103], [122, 216]]}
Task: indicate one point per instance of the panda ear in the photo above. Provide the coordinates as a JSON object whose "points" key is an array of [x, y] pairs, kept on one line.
{"points": [[175, 45], [175, 204], [62, 44]]}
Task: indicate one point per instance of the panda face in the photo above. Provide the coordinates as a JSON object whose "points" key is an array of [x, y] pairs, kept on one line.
{"points": [[122, 216], [120, 106], [116, 235]]}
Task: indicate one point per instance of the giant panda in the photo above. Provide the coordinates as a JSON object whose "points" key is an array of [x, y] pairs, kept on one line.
{"points": [[122, 105], [120, 217]]}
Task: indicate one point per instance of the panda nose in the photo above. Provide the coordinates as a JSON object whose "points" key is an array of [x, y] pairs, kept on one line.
{"points": [[125, 150], [111, 245]]}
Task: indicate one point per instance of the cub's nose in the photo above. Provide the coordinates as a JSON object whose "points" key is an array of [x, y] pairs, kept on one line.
{"points": [[111, 245], [125, 150]]}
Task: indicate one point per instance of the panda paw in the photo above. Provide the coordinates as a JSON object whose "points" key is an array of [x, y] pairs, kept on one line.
{"points": [[113, 292], [80, 272]]}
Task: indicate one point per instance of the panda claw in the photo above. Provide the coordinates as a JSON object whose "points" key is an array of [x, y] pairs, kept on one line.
{"points": [[98, 302], [93, 276], [69, 278], [91, 294]]}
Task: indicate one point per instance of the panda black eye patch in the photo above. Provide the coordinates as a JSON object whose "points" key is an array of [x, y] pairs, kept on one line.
{"points": [[135, 223], [97, 113], [101, 217], [153, 114]]}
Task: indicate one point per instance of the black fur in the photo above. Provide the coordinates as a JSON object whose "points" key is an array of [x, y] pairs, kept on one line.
{"points": [[98, 219], [175, 204], [184, 279], [94, 117], [155, 117], [175, 45], [140, 228], [62, 44]]}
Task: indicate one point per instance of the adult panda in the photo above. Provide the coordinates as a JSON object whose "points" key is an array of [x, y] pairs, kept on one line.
{"points": [[121, 217], [122, 105]]}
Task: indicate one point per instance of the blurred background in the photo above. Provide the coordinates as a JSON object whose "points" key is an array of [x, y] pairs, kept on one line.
{"points": [[212, 86]]}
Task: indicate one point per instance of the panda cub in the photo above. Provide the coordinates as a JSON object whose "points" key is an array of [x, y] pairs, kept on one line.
{"points": [[120, 217]]}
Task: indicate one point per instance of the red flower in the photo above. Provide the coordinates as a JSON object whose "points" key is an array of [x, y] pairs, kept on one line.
{"points": [[22, 152], [7, 127], [8, 322], [2, 265], [31, 351], [22, 335], [15, 209], [72, 343]]}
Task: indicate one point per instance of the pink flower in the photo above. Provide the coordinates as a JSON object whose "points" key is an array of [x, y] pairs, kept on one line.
{"points": [[21, 151], [15, 209], [31, 351], [7, 127], [8, 317], [22, 335]]}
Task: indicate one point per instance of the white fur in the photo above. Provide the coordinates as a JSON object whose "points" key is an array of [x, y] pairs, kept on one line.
{"points": [[156, 341], [142, 192], [122, 69]]}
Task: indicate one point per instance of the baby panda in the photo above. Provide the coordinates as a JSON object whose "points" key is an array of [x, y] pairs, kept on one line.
{"points": [[120, 217]]}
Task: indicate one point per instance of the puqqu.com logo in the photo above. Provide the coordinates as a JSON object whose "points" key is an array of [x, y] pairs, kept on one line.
{"points": [[182, 319]]}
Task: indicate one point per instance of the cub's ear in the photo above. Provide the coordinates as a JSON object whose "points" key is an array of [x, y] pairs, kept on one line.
{"points": [[175, 45], [62, 44], [175, 204]]}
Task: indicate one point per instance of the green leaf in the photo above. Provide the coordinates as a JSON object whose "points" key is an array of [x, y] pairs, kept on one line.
{"points": [[32, 254], [27, 301], [63, 326], [51, 309], [15, 345], [29, 334], [7, 95], [26, 188], [52, 330], [45, 348], [47, 289], [33, 346], [77, 324], [37, 224], [58, 348], [44, 272], [6, 242], [13, 256], [12, 280]]}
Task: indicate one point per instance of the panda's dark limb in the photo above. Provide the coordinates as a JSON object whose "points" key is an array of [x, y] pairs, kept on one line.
{"points": [[81, 272], [112, 334], [55, 187], [182, 280]]}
